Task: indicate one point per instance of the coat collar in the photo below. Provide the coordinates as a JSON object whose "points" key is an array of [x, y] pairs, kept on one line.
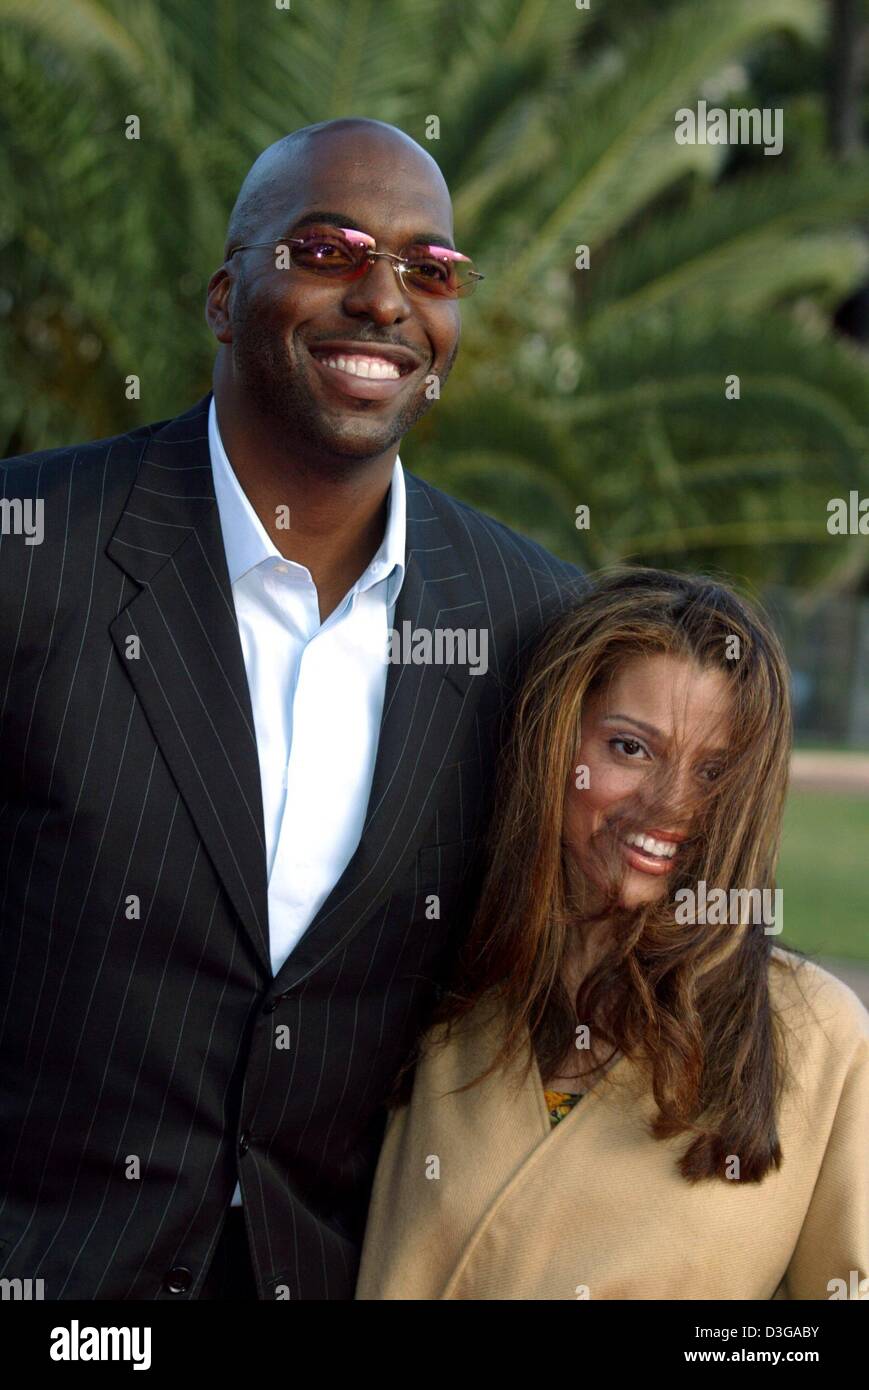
{"points": [[247, 543], [517, 1088], [188, 671]]}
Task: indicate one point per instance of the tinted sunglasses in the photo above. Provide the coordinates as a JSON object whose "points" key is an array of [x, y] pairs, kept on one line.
{"points": [[341, 253]]}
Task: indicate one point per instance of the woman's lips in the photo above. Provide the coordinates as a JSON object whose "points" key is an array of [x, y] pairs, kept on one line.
{"points": [[364, 388], [646, 861]]}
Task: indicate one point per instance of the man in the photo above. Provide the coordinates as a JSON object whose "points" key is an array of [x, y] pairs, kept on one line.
{"points": [[238, 845]]}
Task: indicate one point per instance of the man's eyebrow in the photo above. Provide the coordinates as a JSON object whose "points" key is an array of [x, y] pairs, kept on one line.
{"points": [[341, 219]]}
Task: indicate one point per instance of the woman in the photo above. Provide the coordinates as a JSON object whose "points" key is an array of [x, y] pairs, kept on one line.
{"points": [[627, 1097]]}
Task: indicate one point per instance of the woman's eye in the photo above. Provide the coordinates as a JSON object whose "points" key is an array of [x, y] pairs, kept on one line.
{"points": [[629, 746], [711, 773]]}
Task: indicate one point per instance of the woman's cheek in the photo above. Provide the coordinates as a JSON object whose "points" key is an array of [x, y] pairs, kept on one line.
{"points": [[578, 818], [623, 783], [608, 784]]}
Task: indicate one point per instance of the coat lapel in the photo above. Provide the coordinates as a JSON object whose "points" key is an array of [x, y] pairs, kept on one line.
{"points": [[178, 642], [496, 1149], [426, 709], [423, 1223], [507, 1128]]}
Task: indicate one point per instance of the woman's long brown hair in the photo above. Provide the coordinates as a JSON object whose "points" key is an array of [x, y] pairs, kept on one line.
{"points": [[690, 1002]]}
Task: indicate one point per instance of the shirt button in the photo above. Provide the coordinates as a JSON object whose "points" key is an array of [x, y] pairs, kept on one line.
{"points": [[178, 1280], [244, 1143], [282, 569]]}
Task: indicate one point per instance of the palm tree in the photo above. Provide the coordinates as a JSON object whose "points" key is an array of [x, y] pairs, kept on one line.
{"points": [[602, 387]]}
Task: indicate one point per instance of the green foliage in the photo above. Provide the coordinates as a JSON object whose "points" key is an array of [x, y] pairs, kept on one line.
{"points": [[603, 386]]}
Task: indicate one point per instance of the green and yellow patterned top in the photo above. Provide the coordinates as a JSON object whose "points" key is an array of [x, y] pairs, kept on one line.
{"points": [[560, 1103]]}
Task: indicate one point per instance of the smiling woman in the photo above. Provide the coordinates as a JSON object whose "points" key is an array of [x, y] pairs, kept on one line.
{"points": [[623, 753], [622, 1101], [642, 760]]}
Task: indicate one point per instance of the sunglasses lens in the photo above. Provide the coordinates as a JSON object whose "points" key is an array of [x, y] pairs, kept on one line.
{"points": [[430, 270], [439, 271], [327, 251]]}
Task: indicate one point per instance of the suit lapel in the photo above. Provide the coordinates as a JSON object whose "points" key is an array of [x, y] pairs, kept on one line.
{"points": [[188, 672], [426, 708], [178, 642]]}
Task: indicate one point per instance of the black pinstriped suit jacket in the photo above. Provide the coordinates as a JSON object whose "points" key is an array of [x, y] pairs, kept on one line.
{"points": [[147, 1056]]}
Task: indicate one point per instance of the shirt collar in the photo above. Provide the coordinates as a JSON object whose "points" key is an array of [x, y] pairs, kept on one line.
{"points": [[247, 543]]}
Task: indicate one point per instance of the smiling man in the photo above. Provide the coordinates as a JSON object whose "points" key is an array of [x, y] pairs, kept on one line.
{"points": [[322, 369], [239, 845]]}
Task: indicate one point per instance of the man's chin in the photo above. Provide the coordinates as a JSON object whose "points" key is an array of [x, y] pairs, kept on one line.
{"points": [[351, 434], [353, 446], [329, 432], [342, 438]]}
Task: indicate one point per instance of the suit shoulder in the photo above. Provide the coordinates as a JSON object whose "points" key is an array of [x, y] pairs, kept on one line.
{"points": [[480, 537], [45, 470]]}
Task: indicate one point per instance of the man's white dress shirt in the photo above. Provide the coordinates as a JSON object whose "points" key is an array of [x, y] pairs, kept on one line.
{"points": [[317, 694]]}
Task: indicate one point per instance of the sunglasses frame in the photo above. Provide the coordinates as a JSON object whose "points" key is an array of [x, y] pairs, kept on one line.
{"points": [[399, 264]]}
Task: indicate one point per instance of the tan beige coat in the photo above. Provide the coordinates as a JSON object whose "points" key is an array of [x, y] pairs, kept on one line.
{"points": [[595, 1208]]}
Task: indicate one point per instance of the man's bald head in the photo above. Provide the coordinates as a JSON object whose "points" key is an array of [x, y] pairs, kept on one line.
{"points": [[283, 164], [275, 320]]}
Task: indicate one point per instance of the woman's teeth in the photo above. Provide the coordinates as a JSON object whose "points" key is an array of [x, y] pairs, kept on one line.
{"points": [[375, 367], [664, 849]]}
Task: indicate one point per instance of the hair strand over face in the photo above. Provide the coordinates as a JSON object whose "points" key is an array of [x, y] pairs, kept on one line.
{"points": [[690, 1004]]}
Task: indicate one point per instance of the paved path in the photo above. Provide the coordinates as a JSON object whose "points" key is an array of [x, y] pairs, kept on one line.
{"points": [[831, 772]]}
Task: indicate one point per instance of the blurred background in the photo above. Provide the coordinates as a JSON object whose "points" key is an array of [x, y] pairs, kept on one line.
{"points": [[601, 386]]}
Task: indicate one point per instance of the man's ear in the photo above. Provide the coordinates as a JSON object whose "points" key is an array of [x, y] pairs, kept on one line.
{"points": [[217, 311]]}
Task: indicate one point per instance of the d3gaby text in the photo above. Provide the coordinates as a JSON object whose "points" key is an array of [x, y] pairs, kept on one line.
{"points": [[724, 1334]]}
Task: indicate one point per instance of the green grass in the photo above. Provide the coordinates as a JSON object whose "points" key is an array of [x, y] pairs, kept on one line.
{"points": [[824, 873]]}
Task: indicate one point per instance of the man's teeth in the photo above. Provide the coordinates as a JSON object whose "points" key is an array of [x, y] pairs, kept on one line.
{"points": [[376, 367], [665, 849]]}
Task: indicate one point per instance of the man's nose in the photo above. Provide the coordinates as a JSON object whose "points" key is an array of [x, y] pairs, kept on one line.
{"points": [[378, 294]]}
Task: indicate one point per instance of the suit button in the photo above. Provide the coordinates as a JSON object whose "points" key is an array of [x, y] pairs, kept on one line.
{"points": [[178, 1280], [244, 1143], [270, 1007]]}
